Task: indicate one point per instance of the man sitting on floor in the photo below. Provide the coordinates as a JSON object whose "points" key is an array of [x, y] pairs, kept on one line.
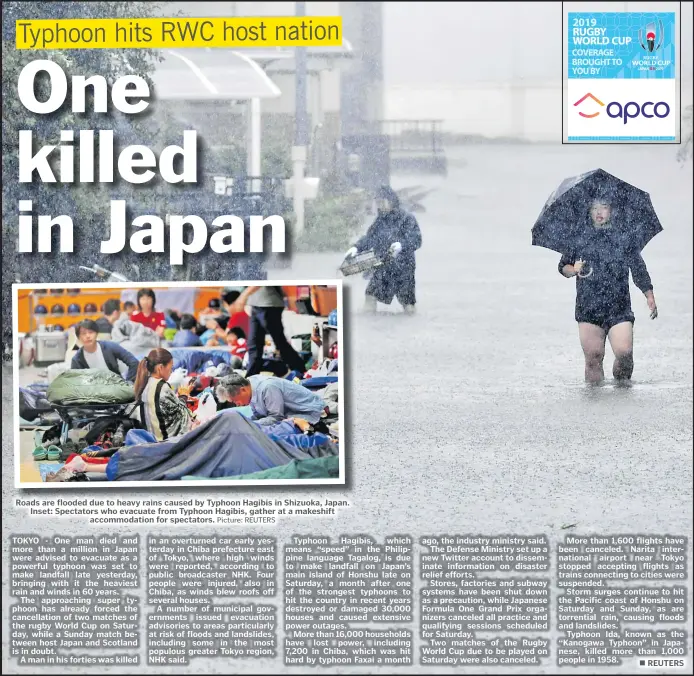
{"points": [[271, 399], [102, 355]]}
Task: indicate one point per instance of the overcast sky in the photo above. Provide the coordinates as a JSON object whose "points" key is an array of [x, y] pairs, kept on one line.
{"points": [[457, 42], [449, 43]]}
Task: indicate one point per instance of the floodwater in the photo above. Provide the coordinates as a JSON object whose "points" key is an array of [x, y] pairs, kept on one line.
{"points": [[472, 416]]}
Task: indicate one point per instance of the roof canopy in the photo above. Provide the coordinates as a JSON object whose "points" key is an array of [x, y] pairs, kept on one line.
{"points": [[211, 74]]}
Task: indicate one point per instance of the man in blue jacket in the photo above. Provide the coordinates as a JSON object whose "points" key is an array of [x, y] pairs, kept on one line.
{"points": [[271, 399], [102, 355]]}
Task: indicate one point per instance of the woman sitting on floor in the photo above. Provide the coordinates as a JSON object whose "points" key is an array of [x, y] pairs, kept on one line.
{"points": [[159, 408]]}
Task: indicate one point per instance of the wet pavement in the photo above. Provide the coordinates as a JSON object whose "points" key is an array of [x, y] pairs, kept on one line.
{"points": [[474, 412], [472, 417]]}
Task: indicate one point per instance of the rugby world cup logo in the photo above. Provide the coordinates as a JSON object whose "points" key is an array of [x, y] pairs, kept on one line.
{"points": [[652, 36]]}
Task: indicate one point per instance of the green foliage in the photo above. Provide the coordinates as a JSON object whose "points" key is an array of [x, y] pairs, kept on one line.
{"points": [[277, 159], [332, 223]]}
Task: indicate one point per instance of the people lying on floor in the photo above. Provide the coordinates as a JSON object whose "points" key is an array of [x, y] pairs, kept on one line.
{"points": [[186, 335], [271, 399], [111, 313], [102, 355], [146, 312], [158, 407], [224, 446]]}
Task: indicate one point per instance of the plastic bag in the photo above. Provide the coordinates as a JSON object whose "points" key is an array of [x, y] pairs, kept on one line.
{"points": [[32, 404], [207, 406], [324, 369], [177, 378]]}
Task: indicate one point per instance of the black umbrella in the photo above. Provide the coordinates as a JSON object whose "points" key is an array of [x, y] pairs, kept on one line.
{"points": [[564, 217]]}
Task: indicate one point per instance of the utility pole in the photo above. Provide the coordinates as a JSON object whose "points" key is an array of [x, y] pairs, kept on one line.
{"points": [[300, 128]]}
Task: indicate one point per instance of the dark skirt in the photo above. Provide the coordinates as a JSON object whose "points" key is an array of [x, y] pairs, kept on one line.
{"points": [[393, 281]]}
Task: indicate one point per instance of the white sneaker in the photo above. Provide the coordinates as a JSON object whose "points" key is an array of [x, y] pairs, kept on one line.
{"points": [[410, 309]]}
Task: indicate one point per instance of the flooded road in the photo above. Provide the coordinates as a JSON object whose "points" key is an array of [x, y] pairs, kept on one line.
{"points": [[475, 409]]}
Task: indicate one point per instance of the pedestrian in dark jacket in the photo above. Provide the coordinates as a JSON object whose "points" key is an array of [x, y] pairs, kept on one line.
{"points": [[601, 264], [102, 355], [394, 237]]}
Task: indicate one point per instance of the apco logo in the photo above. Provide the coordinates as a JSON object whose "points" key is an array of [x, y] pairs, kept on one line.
{"points": [[589, 96], [650, 45], [627, 111]]}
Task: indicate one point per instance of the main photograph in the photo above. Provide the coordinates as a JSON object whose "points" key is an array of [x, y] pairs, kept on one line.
{"points": [[160, 384]]}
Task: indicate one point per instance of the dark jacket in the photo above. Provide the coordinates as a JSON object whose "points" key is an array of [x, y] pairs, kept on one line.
{"points": [[397, 277], [113, 353], [610, 256], [394, 226]]}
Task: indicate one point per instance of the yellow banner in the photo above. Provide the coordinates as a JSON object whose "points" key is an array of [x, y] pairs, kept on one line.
{"points": [[289, 31]]}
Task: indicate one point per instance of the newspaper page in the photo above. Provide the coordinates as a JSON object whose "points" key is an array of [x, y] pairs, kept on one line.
{"points": [[365, 329]]}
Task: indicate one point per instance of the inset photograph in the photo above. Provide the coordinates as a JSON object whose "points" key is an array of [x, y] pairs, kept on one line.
{"points": [[178, 383]]}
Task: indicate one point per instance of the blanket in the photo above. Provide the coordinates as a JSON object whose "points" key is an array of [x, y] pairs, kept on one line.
{"points": [[134, 337], [224, 446], [316, 468]]}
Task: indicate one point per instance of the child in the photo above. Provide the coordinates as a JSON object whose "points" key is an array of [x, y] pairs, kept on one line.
{"points": [[186, 336], [129, 307], [236, 339]]}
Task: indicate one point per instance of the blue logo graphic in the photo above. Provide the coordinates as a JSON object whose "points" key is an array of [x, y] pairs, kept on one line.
{"points": [[621, 45]]}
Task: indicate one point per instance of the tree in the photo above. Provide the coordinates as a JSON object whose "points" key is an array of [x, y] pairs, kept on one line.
{"points": [[86, 203]]}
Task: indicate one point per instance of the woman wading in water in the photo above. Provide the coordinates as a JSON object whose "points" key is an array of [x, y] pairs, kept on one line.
{"points": [[601, 263]]}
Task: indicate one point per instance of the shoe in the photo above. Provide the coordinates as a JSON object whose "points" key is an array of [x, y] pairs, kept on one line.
{"points": [[410, 309], [53, 453], [39, 453]]}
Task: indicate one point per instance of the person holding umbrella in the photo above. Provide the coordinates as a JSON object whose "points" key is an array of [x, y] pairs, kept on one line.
{"points": [[599, 248], [603, 300]]}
